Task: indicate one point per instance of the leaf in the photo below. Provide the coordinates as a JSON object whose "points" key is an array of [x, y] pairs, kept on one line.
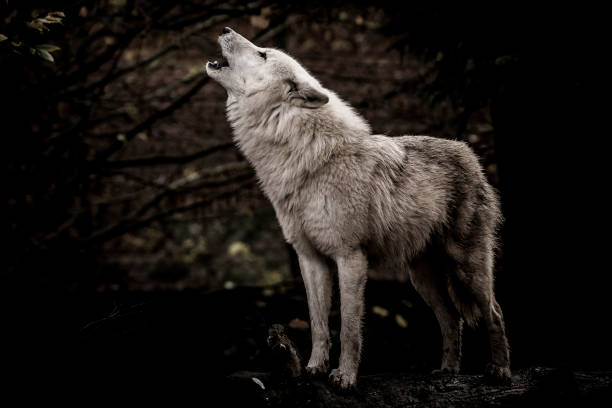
{"points": [[258, 382], [299, 324], [48, 47], [407, 303], [260, 22], [3, 37], [401, 322], [36, 25], [505, 59], [54, 17], [45, 55], [236, 248], [381, 311]]}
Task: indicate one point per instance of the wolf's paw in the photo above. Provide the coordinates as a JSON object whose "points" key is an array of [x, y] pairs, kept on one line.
{"points": [[317, 369], [445, 371], [495, 374], [342, 380]]}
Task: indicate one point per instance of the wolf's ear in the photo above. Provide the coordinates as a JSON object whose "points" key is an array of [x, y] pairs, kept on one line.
{"points": [[303, 95]]}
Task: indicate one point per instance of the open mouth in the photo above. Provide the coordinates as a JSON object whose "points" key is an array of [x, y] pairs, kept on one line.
{"points": [[219, 65]]}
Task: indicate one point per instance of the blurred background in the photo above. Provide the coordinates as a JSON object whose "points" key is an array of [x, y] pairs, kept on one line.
{"points": [[134, 223]]}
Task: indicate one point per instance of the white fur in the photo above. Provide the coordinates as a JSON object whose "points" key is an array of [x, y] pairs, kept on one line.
{"points": [[363, 202]]}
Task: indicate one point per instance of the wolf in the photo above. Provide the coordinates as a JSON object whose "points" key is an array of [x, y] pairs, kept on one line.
{"points": [[352, 202]]}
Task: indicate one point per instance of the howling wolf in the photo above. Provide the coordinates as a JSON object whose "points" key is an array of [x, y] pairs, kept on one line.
{"points": [[419, 205]]}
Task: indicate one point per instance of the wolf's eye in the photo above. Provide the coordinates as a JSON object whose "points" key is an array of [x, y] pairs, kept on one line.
{"points": [[263, 55]]}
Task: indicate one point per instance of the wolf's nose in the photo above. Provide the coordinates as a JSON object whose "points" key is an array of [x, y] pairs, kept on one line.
{"points": [[226, 30]]}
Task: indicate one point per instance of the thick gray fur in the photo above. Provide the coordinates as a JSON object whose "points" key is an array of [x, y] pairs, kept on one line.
{"points": [[418, 205]]}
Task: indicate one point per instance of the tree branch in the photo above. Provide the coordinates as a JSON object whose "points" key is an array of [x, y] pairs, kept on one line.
{"points": [[163, 160], [130, 134], [157, 55], [127, 225]]}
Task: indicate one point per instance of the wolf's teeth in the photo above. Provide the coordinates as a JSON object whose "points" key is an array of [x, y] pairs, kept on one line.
{"points": [[214, 65]]}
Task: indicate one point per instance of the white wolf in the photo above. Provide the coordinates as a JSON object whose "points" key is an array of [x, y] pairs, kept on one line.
{"points": [[420, 205]]}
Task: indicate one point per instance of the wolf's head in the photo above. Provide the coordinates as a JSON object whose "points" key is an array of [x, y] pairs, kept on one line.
{"points": [[272, 75]]}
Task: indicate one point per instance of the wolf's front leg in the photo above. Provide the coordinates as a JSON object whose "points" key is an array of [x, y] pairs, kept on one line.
{"points": [[318, 282], [352, 275]]}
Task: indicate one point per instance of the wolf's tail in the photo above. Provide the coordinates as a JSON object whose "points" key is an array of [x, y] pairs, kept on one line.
{"points": [[463, 300]]}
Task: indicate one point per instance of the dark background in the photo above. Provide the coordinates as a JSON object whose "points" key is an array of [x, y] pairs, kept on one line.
{"points": [[138, 241]]}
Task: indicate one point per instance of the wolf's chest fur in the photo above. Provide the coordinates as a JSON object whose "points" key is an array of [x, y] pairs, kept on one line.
{"points": [[339, 189]]}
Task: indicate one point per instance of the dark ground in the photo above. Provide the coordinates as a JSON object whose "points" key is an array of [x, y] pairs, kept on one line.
{"points": [[530, 387], [208, 346]]}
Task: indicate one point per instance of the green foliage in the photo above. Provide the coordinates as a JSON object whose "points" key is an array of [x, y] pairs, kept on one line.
{"points": [[44, 51], [25, 34], [40, 24], [506, 59]]}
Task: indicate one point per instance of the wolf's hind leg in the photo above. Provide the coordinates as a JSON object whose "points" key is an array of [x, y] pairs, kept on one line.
{"points": [[499, 369], [430, 285], [476, 272]]}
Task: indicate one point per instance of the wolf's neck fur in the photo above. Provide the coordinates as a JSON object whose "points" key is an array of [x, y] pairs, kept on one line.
{"points": [[285, 143]]}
